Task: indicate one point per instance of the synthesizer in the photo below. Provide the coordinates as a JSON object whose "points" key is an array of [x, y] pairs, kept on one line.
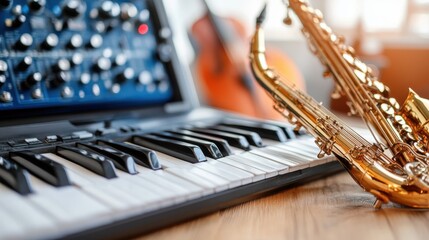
{"points": [[101, 133]]}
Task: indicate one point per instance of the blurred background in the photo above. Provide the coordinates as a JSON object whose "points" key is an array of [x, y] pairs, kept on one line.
{"points": [[390, 35]]}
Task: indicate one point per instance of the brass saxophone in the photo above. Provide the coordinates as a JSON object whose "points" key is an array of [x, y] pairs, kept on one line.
{"points": [[370, 167], [404, 130]]}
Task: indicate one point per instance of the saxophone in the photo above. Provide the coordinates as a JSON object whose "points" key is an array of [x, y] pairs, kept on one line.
{"points": [[404, 130], [375, 171]]}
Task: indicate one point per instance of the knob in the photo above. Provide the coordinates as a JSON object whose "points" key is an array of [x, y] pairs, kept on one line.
{"points": [[32, 80], [2, 80], [5, 97], [120, 59], [95, 41], [60, 78], [102, 64], [75, 41], [24, 64], [50, 41], [3, 67], [109, 9], [37, 93], [36, 5], [5, 4], [24, 42], [126, 75], [128, 11], [76, 59], [17, 21], [62, 65], [73, 8]]}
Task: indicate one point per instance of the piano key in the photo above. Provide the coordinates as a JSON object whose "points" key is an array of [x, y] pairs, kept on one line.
{"points": [[223, 145], [244, 176], [258, 173], [120, 159], [209, 148], [263, 129], [233, 139], [14, 177], [194, 174], [233, 179], [110, 188], [92, 161], [42, 167], [292, 152], [142, 156], [192, 190], [10, 228], [33, 221], [283, 159], [280, 166], [69, 205], [253, 138], [178, 149], [269, 171]]}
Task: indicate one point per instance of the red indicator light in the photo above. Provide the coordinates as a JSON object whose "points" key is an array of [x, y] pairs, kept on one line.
{"points": [[143, 29]]}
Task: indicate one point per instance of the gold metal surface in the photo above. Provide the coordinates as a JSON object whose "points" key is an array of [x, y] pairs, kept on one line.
{"points": [[404, 181]]}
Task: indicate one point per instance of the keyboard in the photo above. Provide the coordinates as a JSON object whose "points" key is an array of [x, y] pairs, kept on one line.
{"points": [[102, 135]]}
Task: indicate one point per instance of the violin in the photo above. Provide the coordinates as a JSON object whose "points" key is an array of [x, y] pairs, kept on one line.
{"points": [[223, 71]]}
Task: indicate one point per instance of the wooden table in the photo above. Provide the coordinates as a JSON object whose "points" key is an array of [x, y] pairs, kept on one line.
{"points": [[330, 208]]}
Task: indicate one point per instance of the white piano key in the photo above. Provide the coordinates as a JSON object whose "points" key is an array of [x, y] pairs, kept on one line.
{"points": [[210, 171], [33, 220], [303, 161], [281, 167], [245, 177], [112, 188], [173, 163], [272, 155], [208, 186], [269, 171], [10, 228], [258, 173], [69, 205]]}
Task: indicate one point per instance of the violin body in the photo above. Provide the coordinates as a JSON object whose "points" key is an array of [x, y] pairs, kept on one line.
{"points": [[223, 81]]}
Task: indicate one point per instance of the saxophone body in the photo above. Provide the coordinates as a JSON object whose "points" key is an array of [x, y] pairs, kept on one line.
{"points": [[404, 130], [369, 166]]}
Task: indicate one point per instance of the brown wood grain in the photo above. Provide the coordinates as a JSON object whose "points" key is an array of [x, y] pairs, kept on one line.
{"points": [[330, 208]]}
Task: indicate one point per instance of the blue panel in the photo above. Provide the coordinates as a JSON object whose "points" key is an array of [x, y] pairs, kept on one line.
{"points": [[125, 70]]}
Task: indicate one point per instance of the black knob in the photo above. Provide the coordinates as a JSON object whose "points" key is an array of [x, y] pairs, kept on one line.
{"points": [[95, 41], [102, 64], [60, 78], [24, 42], [76, 59], [36, 5], [128, 11], [73, 8], [75, 41], [5, 4], [51, 41], [3, 67], [120, 59], [126, 75], [109, 9], [2, 80], [24, 64], [62, 65], [32, 80], [15, 22]]}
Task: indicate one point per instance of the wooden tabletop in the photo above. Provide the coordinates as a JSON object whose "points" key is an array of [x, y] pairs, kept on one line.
{"points": [[331, 208]]}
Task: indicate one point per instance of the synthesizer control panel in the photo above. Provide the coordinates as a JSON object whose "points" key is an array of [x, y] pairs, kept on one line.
{"points": [[73, 54]]}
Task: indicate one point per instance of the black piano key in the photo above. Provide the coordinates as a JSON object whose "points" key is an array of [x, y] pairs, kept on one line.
{"points": [[42, 167], [222, 145], [89, 160], [142, 156], [233, 139], [265, 130], [209, 148], [178, 149], [121, 160], [14, 177], [252, 137]]}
